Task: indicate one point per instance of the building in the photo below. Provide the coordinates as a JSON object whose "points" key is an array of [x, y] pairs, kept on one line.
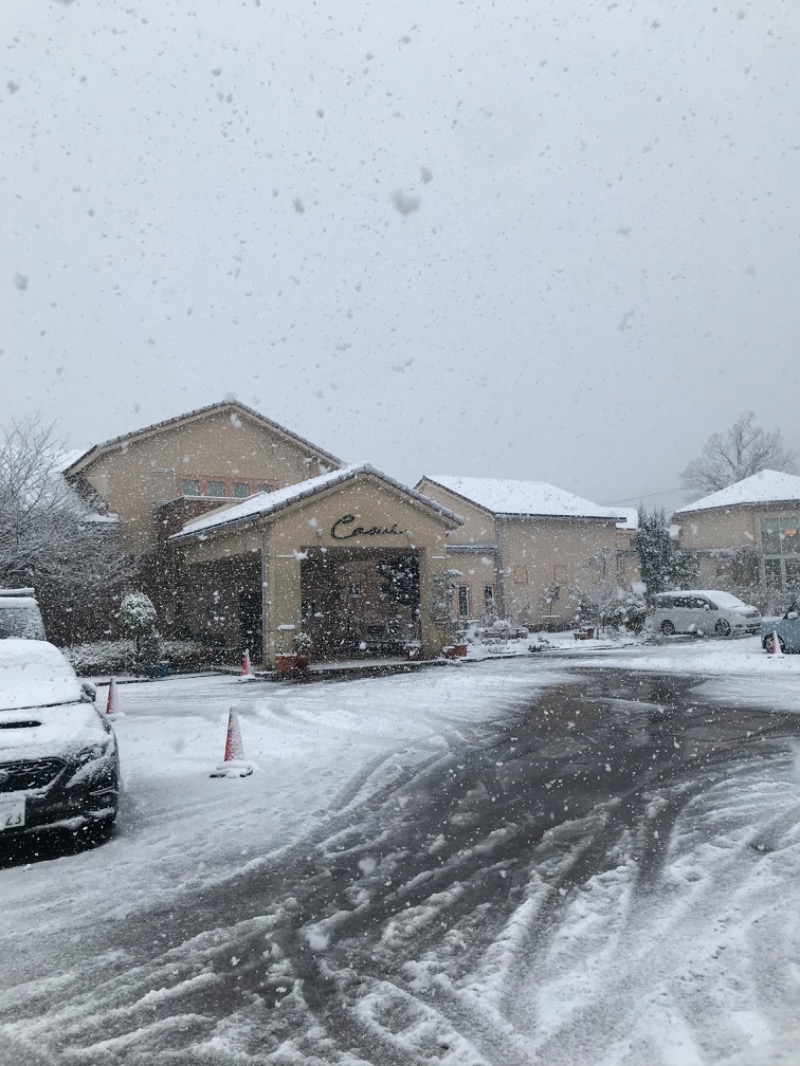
{"points": [[745, 539], [157, 478], [530, 552], [246, 535], [351, 558]]}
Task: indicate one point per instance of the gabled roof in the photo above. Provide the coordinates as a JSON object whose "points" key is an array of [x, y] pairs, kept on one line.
{"points": [[767, 486], [528, 498], [267, 503], [83, 459]]}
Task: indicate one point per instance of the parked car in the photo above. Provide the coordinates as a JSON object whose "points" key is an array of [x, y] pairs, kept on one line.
{"points": [[703, 611], [20, 615], [59, 766], [787, 627]]}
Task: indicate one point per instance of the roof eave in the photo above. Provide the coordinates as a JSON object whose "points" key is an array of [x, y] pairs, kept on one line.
{"points": [[300, 497], [96, 450]]}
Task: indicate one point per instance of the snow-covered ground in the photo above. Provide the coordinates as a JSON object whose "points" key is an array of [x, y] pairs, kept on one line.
{"points": [[699, 970]]}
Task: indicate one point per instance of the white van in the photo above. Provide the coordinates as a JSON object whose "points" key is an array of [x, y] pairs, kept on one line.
{"points": [[703, 611], [20, 615]]}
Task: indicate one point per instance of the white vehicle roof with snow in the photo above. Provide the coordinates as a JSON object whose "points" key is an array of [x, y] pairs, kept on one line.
{"points": [[722, 599]]}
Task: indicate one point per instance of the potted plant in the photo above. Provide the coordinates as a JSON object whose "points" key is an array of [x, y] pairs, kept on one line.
{"points": [[137, 619], [302, 650], [412, 649], [286, 660]]}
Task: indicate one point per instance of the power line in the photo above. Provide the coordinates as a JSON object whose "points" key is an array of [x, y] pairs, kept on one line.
{"points": [[645, 496]]}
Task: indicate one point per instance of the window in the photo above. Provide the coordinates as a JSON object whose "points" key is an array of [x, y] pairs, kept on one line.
{"points": [[792, 567], [265, 488], [354, 588], [790, 542], [190, 488], [780, 535], [241, 489], [215, 488], [463, 601]]}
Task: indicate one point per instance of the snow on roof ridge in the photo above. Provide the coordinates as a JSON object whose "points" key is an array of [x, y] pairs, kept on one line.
{"points": [[509, 496], [763, 487], [263, 503]]}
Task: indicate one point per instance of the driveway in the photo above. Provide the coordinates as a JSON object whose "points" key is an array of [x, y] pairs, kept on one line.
{"points": [[557, 885]]}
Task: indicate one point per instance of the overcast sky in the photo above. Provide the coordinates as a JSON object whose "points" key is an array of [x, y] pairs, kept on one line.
{"points": [[555, 240]]}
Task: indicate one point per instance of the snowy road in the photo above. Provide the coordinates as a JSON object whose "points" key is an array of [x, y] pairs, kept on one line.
{"points": [[495, 864]]}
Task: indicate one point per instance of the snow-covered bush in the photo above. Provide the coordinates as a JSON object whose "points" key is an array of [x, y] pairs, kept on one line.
{"points": [[635, 616], [119, 657], [137, 615], [101, 658]]}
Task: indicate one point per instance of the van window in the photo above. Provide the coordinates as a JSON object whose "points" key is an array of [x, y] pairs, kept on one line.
{"points": [[20, 617]]}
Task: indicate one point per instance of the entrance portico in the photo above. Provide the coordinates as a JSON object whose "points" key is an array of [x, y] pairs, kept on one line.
{"points": [[352, 558]]}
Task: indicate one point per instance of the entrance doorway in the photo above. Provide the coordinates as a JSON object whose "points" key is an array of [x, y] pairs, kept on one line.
{"points": [[360, 603], [250, 621]]}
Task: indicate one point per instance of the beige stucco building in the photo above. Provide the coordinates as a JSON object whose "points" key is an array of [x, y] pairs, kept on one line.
{"points": [[247, 535], [527, 551], [353, 559], [157, 478], [745, 538]]}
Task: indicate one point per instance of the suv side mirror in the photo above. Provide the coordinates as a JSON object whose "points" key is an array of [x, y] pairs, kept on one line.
{"points": [[792, 615], [89, 691]]}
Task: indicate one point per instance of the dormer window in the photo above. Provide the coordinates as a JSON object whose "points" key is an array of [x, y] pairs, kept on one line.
{"points": [[190, 488]]}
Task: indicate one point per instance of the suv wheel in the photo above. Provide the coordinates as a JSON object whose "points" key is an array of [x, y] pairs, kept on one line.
{"points": [[667, 628], [723, 628]]}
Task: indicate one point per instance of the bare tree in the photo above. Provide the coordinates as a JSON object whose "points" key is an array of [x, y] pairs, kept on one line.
{"points": [[739, 452], [49, 537]]}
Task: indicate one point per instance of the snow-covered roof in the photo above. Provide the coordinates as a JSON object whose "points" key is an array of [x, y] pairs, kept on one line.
{"points": [[764, 487], [265, 503], [529, 498], [80, 459], [67, 459], [629, 517]]}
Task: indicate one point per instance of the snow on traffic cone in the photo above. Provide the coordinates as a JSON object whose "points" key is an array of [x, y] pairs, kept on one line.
{"points": [[112, 704], [776, 644], [247, 667], [234, 763]]}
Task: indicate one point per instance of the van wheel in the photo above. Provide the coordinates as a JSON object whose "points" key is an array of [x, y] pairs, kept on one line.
{"points": [[667, 628], [723, 628]]}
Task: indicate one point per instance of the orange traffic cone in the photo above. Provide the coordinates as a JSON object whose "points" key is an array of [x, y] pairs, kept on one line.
{"points": [[112, 704], [776, 644], [234, 763], [247, 667]]}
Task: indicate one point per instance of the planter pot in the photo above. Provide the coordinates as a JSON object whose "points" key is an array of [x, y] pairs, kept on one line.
{"points": [[302, 660], [413, 652], [459, 650], [285, 664]]}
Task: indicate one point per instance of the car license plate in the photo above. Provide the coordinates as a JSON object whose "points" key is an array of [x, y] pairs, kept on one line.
{"points": [[12, 812]]}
